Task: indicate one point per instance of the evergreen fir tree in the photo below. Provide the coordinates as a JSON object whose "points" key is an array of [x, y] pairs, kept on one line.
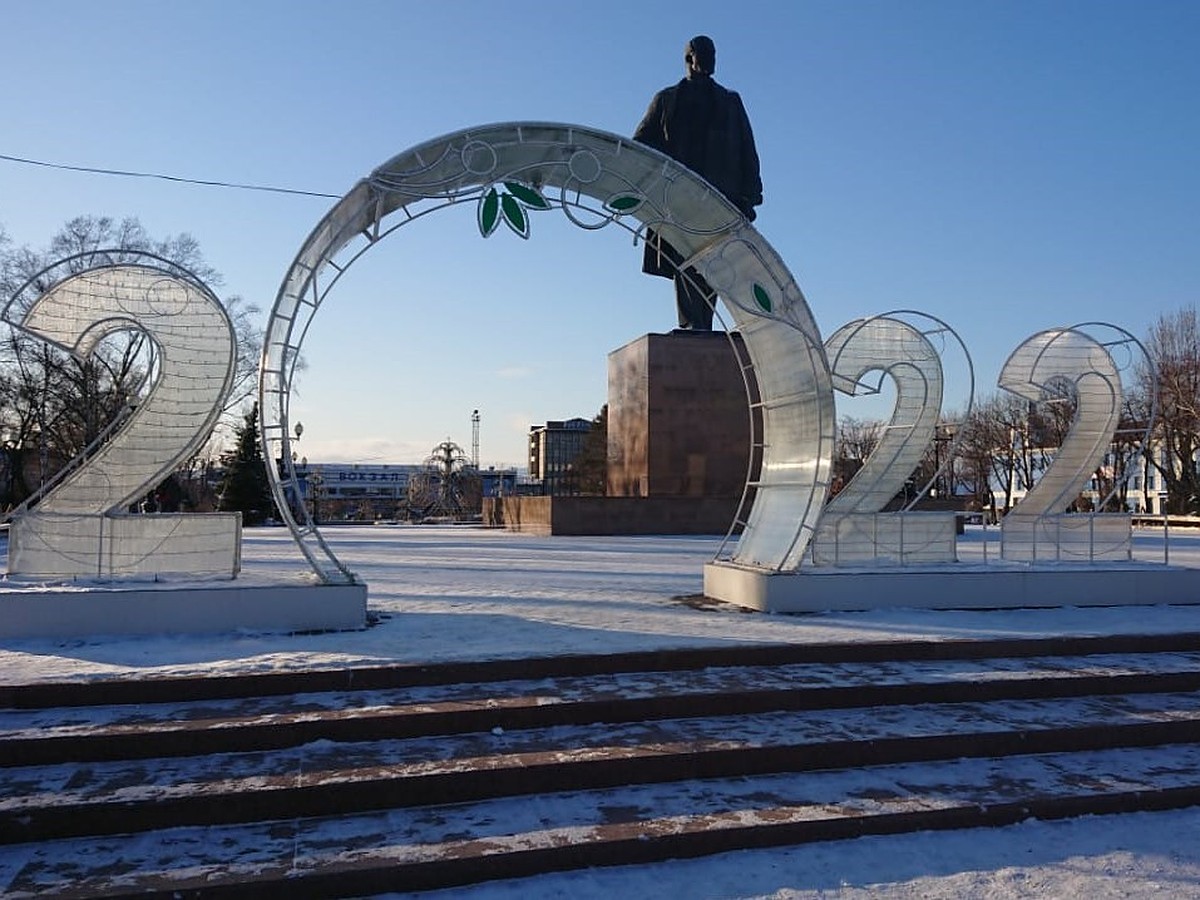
{"points": [[244, 487], [591, 464]]}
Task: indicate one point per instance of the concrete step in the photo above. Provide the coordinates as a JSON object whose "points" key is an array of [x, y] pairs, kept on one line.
{"points": [[442, 846], [124, 690], [44, 802], [145, 731]]}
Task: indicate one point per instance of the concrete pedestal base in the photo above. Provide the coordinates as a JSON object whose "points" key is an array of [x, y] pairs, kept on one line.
{"points": [[678, 418], [39, 612], [612, 515], [953, 587]]}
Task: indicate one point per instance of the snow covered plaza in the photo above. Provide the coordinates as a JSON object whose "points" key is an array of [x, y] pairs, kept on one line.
{"points": [[447, 594]]}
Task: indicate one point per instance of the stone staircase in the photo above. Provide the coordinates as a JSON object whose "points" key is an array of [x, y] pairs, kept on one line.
{"points": [[411, 778]]}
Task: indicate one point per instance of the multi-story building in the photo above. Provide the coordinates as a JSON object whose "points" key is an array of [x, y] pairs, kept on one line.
{"points": [[1145, 489], [553, 448]]}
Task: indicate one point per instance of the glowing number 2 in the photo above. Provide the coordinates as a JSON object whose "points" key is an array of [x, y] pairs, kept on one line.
{"points": [[853, 528], [189, 377], [1072, 358]]}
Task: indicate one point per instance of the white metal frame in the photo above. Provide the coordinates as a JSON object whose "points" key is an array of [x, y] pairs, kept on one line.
{"points": [[596, 180]]}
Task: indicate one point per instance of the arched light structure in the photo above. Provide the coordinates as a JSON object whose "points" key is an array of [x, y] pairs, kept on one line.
{"points": [[513, 171]]}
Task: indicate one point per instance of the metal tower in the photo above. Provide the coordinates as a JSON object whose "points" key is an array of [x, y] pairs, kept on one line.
{"points": [[475, 438]]}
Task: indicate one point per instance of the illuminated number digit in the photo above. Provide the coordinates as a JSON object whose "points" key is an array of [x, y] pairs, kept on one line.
{"points": [[1066, 366], [853, 528], [79, 528]]}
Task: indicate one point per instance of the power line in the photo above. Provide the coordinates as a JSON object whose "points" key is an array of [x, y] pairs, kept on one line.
{"points": [[175, 178]]}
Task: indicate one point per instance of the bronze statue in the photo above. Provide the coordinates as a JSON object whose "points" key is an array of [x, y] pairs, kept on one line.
{"points": [[704, 126]]}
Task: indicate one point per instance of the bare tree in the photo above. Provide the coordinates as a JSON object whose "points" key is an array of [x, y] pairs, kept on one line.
{"points": [[856, 440], [978, 442], [999, 451], [52, 405], [1174, 346]]}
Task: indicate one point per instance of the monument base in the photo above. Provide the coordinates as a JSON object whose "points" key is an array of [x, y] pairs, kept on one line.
{"points": [[612, 515], [75, 612], [678, 417], [953, 587]]}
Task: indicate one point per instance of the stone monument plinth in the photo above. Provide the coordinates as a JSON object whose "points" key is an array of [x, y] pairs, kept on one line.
{"points": [[678, 444], [678, 419]]}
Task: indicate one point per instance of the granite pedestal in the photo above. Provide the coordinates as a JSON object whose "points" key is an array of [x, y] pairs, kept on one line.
{"points": [[678, 444]]}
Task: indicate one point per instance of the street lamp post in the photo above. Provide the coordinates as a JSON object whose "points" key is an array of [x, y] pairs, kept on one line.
{"points": [[943, 433], [297, 490], [937, 461], [12, 461], [315, 481]]}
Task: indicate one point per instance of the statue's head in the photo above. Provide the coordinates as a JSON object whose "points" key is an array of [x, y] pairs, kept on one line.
{"points": [[700, 55]]}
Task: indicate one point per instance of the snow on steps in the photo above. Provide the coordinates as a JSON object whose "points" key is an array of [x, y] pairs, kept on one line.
{"points": [[424, 780]]}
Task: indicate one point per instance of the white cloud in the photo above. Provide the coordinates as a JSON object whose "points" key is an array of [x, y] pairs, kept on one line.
{"points": [[515, 372]]}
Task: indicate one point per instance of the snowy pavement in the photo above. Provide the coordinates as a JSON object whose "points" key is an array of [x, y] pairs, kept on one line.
{"points": [[444, 593]]}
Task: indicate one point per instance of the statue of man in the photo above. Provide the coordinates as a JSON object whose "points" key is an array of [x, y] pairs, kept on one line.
{"points": [[705, 127]]}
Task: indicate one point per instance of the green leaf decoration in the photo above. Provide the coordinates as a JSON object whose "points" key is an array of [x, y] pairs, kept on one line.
{"points": [[513, 215], [625, 203], [527, 195], [761, 297], [489, 212]]}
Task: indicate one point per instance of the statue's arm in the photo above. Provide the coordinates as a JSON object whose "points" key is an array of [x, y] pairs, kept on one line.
{"points": [[751, 175], [650, 130]]}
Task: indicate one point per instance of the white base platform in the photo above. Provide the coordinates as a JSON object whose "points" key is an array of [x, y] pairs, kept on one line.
{"points": [[953, 586], [209, 607]]}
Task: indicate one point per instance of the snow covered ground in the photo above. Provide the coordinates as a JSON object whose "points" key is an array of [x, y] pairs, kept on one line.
{"points": [[451, 593], [443, 593]]}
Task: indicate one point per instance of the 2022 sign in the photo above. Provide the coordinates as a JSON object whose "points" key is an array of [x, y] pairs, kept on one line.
{"points": [[513, 173]]}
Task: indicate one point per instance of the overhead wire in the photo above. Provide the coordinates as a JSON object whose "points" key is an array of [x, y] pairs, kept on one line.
{"points": [[174, 178]]}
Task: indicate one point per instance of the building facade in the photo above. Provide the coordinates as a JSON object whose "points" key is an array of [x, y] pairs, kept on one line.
{"points": [[355, 491], [358, 492], [553, 448], [1144, 491]]}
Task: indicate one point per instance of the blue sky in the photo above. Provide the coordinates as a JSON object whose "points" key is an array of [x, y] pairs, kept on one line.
{"points": [[1006, 167]]}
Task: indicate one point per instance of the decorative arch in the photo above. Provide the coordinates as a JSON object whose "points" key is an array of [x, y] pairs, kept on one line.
{"points": [[514, 171]]}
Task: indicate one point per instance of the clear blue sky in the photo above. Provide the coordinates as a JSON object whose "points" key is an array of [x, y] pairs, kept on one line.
{"points": [[1004, 166]]}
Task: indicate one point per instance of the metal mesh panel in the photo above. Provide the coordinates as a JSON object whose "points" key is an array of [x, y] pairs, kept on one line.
{"points": [[853, 529], [80, 526], [902, 538], [1067, 537], [1067, 366], [61, 545]]}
